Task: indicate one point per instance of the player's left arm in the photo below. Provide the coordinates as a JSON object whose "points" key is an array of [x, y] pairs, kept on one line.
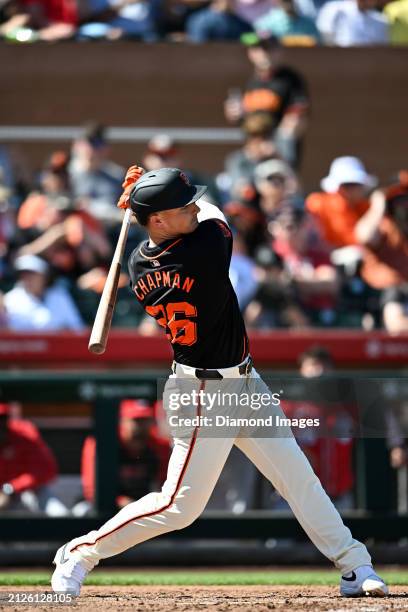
{"points": [[209, 211]]}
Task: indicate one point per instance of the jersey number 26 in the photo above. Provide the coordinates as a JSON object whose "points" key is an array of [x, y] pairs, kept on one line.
{"points": [[176, 319]]}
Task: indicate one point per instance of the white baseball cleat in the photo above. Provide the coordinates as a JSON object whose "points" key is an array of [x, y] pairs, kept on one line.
{"points": [[69, 573], [363, 581]]}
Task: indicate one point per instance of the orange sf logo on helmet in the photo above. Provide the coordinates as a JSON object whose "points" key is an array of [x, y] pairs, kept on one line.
{"points": [[185, 179]]}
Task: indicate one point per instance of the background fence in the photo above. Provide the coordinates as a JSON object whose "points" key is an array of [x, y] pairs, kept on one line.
{"points": [[155, 88]]}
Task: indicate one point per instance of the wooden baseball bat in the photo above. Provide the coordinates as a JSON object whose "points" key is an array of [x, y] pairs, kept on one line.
{"points": [[103, 319]]}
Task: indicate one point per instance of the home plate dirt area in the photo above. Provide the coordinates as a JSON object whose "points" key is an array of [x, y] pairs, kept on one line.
{"points": [[222, 598]]}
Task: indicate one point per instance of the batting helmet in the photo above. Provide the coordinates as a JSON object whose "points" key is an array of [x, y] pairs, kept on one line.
{"points": [[162, 190]]}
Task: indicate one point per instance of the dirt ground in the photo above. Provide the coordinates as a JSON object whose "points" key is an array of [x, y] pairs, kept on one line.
{"points": [[225, 599]]}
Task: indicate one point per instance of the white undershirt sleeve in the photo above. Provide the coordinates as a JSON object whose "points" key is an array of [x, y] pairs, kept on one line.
{"points": [[209, 211]]}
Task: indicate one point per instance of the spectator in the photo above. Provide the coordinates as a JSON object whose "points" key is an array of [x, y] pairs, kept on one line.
{"points": [[285, 22], [143, 455], [307, 263], [277, 185], [15, 173], [32, 305], [242, 273], [40, 209], [94, 177], [27, 468], [48, 20], [397, 15], [216, 23], [163, 152], [55, 226], [331, 454], [137, 19], [275, 303], [309, 8], [337, 213], [247, 219], [348, 23], [6, 228], [176, 13], [315, 363], [252, 10], [344, 201], [396, 433], [383, 232], [258, 146], [277, 90]]}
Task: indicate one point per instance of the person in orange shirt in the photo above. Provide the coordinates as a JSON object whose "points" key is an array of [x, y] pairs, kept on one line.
{"points": [[343, 202], [383, 234], [276, 89]]}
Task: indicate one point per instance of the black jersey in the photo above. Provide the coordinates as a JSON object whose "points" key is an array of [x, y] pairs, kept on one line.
{"points": [[184, 284]]}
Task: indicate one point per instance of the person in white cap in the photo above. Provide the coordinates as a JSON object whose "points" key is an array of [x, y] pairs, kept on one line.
{"points": [[33, 306], [343, 202]]}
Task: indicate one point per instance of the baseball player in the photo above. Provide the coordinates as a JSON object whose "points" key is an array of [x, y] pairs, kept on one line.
{"points": [[180, 276]]}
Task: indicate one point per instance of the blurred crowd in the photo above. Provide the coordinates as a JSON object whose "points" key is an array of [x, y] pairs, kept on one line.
{"points": [[296, 22], [337, 257], [57, 235]]}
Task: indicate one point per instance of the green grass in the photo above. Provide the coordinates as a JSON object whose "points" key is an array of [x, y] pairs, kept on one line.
{"points": [[199, 578]]}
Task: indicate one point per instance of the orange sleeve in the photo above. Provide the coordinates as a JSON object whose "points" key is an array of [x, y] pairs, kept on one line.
{"points": [[88, 468], [314, 203], [31, 209]]}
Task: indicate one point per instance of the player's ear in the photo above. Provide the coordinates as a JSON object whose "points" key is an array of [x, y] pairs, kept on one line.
{"points": [[155, 220]]}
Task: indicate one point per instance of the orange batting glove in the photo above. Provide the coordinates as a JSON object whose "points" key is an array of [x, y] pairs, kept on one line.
{"points": [[132, 175]]}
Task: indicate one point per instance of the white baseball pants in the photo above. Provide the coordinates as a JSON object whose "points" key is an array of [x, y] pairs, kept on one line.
{"points": [[194, 467]]}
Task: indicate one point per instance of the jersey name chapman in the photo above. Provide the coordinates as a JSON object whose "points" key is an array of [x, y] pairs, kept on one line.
{"points": [[160, 278]]}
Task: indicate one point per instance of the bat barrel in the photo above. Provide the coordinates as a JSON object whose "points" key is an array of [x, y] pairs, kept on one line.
{"points": [[103, 319]]}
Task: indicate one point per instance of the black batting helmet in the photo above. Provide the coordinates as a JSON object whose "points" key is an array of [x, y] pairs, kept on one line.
{"points": [[163, 189]]}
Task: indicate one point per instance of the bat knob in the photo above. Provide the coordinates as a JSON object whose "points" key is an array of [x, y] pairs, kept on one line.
{"points": [[96, 347]]}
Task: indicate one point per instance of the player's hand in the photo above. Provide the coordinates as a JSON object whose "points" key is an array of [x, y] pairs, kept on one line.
{"points": [[132, 175]]}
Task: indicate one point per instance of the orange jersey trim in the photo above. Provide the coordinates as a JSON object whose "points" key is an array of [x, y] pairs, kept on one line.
{"points": [[163, 508], [162, 252]]}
